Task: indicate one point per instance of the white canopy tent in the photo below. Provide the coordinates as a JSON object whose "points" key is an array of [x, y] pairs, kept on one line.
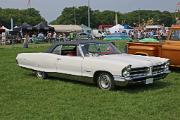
{"points": [[154, 26], [116, 28]]}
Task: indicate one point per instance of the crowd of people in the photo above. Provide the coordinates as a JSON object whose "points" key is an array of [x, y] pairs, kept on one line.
{"points": [[159, 34], [52, 36]]}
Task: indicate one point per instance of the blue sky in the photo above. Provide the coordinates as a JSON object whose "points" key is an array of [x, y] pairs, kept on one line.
{"points": [[51, 9]]}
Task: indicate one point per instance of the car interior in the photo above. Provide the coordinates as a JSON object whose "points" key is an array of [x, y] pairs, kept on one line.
{"points": [[69, 50], [66, 50]]}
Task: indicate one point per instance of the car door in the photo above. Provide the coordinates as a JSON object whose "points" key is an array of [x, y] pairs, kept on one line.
{"points": [[70, 61]]}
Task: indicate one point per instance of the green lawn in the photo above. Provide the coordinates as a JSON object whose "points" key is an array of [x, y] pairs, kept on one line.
{"points": [[23, 96]]}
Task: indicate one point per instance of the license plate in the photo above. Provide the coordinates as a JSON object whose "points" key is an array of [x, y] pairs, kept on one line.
{"points": [[149, 81]]}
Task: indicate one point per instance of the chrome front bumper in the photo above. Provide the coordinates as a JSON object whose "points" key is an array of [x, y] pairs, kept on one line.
{"points": [[126, 80]]}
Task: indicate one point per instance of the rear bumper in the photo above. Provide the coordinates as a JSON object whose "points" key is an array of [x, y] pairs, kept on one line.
{"points": [[121, 81]]}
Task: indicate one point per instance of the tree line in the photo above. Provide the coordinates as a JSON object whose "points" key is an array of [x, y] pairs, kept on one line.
{"points": [[78, 15], [72, 15], [30, 15]]}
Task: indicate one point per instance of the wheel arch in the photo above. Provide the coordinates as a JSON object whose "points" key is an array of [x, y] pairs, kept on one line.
{"points": [[142, 53], [98, 72]]}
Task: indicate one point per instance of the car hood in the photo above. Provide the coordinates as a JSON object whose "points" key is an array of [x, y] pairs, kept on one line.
{"points": [[133, 60]]}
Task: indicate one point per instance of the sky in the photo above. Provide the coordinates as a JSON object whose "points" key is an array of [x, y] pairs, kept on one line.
{"points": [[51, 9]]}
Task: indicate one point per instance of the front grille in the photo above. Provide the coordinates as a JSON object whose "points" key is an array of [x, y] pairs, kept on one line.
{"points": [[137, 72], [158, 69], [144, 72]]}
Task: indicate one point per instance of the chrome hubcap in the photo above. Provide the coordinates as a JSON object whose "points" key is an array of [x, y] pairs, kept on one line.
{"points": [[39, 74], [104, 81]]}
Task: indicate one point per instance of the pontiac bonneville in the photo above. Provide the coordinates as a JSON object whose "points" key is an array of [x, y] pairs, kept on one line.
{"points": [[95, 61]]}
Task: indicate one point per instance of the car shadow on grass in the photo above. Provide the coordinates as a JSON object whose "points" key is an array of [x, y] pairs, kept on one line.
{"points": [[73, 81], [136, 88], [53, 78], [175, 69], [133, 88]]}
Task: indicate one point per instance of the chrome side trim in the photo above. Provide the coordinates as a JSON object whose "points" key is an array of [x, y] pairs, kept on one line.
{"points": [[72, 77]]}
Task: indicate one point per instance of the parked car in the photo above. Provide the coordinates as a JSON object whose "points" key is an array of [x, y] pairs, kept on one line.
{"points": [[83, 36], [169, 48], [117, 37], [95, 61]]}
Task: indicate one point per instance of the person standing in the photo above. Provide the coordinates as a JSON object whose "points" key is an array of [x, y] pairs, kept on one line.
{"points": [[139, 34], [64, 37], [49, 35], [26, 40], [3, 38], [71, 36], [178, 21], [54, 37]]}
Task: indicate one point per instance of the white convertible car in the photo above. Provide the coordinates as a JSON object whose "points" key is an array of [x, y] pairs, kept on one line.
{"points": [[95, 61]]}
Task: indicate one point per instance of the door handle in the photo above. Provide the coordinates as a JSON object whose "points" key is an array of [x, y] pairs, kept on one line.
{"points": [[58, 58]]}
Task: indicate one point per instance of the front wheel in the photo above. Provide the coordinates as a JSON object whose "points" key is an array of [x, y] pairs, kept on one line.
{"points": [[41, 75], [105, 81]]}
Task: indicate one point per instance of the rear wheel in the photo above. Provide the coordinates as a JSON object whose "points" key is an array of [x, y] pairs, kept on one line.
{"points": [[105, 81], [41, 75]]}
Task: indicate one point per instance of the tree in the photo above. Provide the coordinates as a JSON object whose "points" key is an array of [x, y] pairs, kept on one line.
{"points": [[108, 17], [30, 16], [67, 16]]}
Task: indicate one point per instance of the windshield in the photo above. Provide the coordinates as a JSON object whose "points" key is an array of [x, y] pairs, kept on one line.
{"points": [[175, 35], [96, 49]]}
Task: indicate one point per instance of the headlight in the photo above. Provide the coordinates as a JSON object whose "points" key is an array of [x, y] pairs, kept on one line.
{"points": [[166, 66], [126, 71]]}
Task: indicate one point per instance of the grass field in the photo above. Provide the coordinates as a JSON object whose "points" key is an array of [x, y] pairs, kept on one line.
{"points": [[23, 96]]}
